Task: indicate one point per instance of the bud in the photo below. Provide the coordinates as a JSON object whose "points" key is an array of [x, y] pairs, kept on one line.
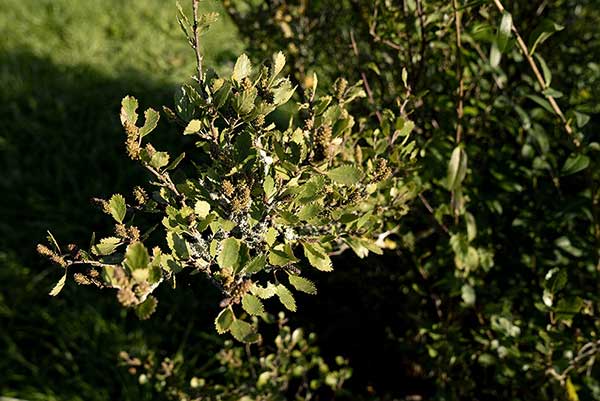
{"points": [[228, 188], [140, 195], [339, 86]]}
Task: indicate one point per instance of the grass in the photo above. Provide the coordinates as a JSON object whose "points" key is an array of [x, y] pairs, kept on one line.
{"points": [[64, 66]]}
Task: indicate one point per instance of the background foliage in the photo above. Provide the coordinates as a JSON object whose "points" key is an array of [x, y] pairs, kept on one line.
{"points": [[492, 290]]}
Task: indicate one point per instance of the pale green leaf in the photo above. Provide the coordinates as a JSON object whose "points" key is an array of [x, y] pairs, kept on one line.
{"points": [[136, 256], [178, 245], [243, 331], [192, 127], [457, 168], [254, 265], [242, 68], [228, 256], [106, 246], [202, 208], [282, 255], [253, 305], [263, 292], [504, 31], [285, 297], [117, 207], [151, 121], [317, 256], [159, 160], [129, 105], [146, 308], [345, 175], [59, 286], [302, 284], [278, 64], [224, 320]]}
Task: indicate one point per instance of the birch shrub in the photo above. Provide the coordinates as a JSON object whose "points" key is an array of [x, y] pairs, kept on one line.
{"points": [[254, 205]]}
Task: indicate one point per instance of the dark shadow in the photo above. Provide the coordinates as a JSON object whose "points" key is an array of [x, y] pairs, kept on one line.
{"points": [[362, 312], [60, 145]]}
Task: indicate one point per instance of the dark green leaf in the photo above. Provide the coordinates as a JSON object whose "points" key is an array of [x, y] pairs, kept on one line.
{"points": [[575, 163]]}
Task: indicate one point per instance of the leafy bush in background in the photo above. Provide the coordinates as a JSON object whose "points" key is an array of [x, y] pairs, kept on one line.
{"points": [[506, 264]]}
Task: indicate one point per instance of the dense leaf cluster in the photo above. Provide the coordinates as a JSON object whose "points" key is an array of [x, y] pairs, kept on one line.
{"points": [[251, 199], [505, 270]]}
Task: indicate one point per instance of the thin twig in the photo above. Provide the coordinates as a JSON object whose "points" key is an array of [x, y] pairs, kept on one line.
{"points": [[461, 92], [459, 73], [430, 210], [197, 40], [539, 76], [423, 44], [364, 78]]}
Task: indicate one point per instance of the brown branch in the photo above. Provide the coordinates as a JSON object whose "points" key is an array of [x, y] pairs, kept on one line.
{"points": [[423, 44], [197, 40], [430, 210], [539, 76], [364, 79], [459, 73]]}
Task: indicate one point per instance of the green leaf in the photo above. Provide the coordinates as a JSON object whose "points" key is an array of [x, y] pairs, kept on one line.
{"points": [[263, 292], [471, 226], [567, 308], [243, 102], [243, 331], [59, 286], [106, 246], [345, 175], [457, 168], [546, 29], [175, 162], [581, 118], [254, 265], [178, 245], [242, 68], [302, 284], [575, 163], [151, 121], [271, 236], [253, 305], [129, 105], [282, 255], [571, 390], [146, 308], [159, 160], [495, 55], [224, 320], [269, 186], [136, 256], [117, 207], [192, 127], [504, 31], [282, 93], [545, 70], [286, 297], [202, 208], [317, 256], [230, 249], [309, 211], [468, 295], [278, 64]]}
